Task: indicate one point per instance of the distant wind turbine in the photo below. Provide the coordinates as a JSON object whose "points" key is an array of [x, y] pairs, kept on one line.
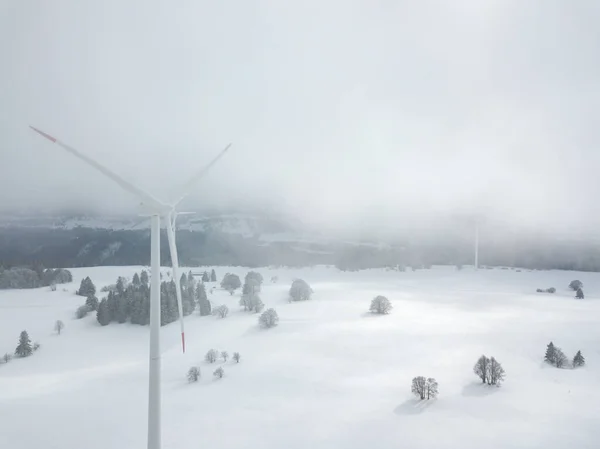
{"points": [[477, 243], [157, 209]]}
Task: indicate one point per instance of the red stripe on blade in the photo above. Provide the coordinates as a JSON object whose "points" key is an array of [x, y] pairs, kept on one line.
{"points": [[47, 136]]}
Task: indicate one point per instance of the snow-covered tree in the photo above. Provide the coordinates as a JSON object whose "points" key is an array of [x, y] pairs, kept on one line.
{"points": [[578, 360], [144, 277], [211, 356], [205, 277], [551, 290], [575, 285], [213, 276], [431, 388], [92, 303], [136, 281], [59, 326], [381, 305], [103, 313], [36, 346], [24, 348], [579, 293], [7, 357], [123, 300], [560, 359], [256, 304], [496, 372], [255, 275], [268, 318], [219, 372], [300, 290], [193, 374], [224, 355], [550, 356], [237, 357], [419, 387], [203, 302], [231, 282], [481, 368], [82, 312], [251, 287], [246, 302], [222, 311], [86, 288]]}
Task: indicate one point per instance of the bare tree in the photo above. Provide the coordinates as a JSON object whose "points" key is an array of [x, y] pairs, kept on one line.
{"points": [[221, 311], [496, 372], [7, 357], [381, 305], [560, 360], [211, 356], [419, 387], [236, 357], [431, 388], [219, 372], [193, 374], [224, 355], [59, 326], [481, 368]]}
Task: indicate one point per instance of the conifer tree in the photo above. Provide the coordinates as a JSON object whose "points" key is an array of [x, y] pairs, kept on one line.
{"points": [[92, 303], [136, 280], [24, 348], [203, 302], [86, 288], [213, 276], [550, 356], [103, 314], [205, 277], [578, 360], [144, 278], [112, 303]]}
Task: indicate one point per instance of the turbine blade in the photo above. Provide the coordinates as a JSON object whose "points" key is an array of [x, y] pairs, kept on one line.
{"points": [[126, 185], [187, 187], [175, 263], [140, 222]]}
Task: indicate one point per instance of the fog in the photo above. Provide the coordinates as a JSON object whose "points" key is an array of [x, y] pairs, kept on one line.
{"points": [[345, 113]]}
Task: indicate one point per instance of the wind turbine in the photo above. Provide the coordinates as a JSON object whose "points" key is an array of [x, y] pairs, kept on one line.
{"points": [[157, 209], [477, 243]]}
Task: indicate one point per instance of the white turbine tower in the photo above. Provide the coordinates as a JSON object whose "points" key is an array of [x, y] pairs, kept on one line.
{"points": [[156, 209], [477, 243]]}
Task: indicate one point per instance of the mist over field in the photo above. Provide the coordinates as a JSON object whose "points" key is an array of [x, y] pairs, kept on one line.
{"points": [[346, 115]]}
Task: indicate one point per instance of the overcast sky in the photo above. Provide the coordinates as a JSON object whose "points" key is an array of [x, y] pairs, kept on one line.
{"points": [[337, 109]]}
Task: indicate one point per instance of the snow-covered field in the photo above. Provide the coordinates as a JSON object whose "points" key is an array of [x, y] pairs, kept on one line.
{"points": [[329, 376]]}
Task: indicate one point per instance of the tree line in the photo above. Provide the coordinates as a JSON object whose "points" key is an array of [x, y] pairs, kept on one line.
{"points": [[130, 301], [24, 277]]}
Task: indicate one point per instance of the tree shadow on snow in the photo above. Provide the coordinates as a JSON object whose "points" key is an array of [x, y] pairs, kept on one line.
{"points": [[413, 407], [373, 315], [478, 389]]}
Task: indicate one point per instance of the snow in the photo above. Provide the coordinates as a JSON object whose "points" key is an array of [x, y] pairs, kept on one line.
{"points": [[329, 375]]}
